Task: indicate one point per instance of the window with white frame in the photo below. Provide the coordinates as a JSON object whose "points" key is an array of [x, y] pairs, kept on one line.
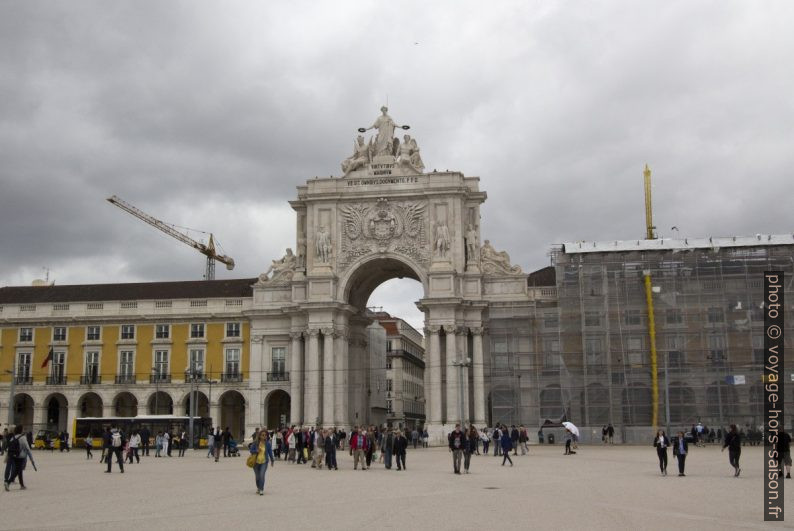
{"points": [[162, 331], [278, 356], [232, 361], [58, 365], [232, 329], [23, 365], [196, 362], [126, 364], [197, 330], [128, 331], [92, 333], [59, 333], [161, 369], [25, 335], [91, 366]]}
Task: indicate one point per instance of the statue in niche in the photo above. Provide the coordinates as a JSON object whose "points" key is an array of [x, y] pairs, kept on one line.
{"points": [[360, 156], [494, 261], [282, 269], [442, 240], [471, 243], [323, 245], [384, 141], [409, 154]]}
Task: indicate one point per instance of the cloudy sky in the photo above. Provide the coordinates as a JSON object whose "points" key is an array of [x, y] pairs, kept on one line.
{"points": [[209, 114]]}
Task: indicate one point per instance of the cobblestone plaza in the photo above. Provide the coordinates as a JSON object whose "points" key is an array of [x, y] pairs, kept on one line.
{"points": [[615, 487]]}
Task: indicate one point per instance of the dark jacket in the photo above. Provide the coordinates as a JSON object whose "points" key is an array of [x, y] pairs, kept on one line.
{"points": [[330, 444], [400, 444], [514, 435], [507, 444], [388, 442], [656, 442], [457, 440], [677, 444], [733, 441]]}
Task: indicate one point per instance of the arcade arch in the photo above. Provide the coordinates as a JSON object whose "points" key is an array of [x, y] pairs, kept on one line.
{"points": [[277, 409], [23, 410], [56, 406], [202, 404], [232, 405], [125, 405], [160, 403]]}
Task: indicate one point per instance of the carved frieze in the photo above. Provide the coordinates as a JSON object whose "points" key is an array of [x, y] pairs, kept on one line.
{"points": [[383, 226]]}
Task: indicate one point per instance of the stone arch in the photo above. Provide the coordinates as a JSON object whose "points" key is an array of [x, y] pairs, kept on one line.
{"points": [[23, 410], [277, 409], [367, 273], [90, 405], [125, 404], [160, 403], [55, 410], [232, 406], [203, 404]]}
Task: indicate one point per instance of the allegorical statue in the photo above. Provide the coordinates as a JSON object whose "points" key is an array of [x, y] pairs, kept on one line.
{"points": [[282, 269], [323, 244], [494, 261], [442, 240], [471, 243], [409, 154], [384, 142], [360, 156]]}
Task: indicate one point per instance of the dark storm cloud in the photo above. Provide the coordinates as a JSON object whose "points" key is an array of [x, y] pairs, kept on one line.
{"points": [[208, 115]]}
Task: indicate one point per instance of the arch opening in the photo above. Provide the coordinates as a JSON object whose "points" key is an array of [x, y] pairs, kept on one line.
{"points": [[277, 405], [90, 405], [125, 405], [56, 406]]}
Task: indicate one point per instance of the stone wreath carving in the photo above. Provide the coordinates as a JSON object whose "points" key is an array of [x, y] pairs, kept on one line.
{"points": [[384, 226]]}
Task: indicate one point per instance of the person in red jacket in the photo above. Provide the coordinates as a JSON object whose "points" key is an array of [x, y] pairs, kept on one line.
{"points": [[359, 444]]}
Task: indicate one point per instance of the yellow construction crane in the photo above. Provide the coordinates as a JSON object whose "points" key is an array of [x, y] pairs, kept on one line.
{"points": [[207, 250], [650, 234]]}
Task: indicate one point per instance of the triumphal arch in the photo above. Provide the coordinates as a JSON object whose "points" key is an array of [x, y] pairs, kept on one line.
{"points": [[383, 217]]}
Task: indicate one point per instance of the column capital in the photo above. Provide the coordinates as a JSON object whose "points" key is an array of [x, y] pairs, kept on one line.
{"points": [[453, 330], [328, 332], [295, 335], [477, 330], [257, 338], [432, 329], [312, 332]]}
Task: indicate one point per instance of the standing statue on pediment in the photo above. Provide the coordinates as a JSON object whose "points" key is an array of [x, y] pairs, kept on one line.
{"points": [[384, 142], [471, 244], [360, 156], [442, 240], [323, 245]]}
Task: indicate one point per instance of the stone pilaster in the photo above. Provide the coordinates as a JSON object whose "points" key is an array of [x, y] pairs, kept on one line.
{"points": [[328, 387], [296, 378], [478, 377], [433, 368], [312, 392], [453, 414], [341, 366]]}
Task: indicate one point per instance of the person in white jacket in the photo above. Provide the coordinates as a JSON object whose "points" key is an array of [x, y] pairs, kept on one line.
{"points": [[135, 443], [291, 444]]}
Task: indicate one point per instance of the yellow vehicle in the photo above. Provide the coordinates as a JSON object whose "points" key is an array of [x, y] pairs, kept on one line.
{"points": [[46, 440], [154, 423]]}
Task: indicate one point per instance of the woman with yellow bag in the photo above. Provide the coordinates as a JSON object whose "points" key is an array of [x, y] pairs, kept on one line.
{"points": [[261, 453]]}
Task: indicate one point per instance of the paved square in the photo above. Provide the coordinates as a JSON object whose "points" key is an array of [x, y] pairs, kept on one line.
{"points": [[599, 488]]}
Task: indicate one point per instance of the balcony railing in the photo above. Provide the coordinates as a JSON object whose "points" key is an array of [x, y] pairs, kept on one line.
{"points": [[23, 380], [278, 377], [197, 376], [56, 380], [90, 379], [160, 378], [125, 379], [232, 377]]}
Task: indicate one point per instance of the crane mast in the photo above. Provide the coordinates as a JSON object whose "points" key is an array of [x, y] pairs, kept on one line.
{"points": [[207, 250]]}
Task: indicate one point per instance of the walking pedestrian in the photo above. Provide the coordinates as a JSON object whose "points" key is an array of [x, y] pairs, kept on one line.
{"points": [[292, 443], [359, 444], [415, 437], [486, 440], [661, 442], [145, 435], [371, 445], [115, 444], [227, 434], [611, 433], [733, 442], [425, 438], [330, 451], [457, 441], [497, 438], [182, 444], [135, 442], [469, 447], [158, 444], [680, 451], [64, 441], [218, 441], [167, 443], [318, 447], [784, 453], [18, 451], [523, 440], [507, 445], [400, 448], [210, 444], [89, 442], [387, 447], [263, 456], [514, 439]]}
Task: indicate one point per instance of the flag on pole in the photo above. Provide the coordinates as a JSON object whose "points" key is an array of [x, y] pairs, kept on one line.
{"points": [[48, 359]]}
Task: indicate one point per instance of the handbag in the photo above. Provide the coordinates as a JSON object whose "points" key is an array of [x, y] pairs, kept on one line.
{"points": [[251, 461]]}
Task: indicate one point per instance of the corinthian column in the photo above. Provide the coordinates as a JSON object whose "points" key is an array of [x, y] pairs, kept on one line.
{"points": [[312, 394], [328, 377], [478, 377], [453, 413], [296, 379], [433, 376], [341, 414]]}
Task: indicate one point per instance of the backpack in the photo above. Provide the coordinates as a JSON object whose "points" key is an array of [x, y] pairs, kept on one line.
{"points": [[116, 439], [14, 448]]}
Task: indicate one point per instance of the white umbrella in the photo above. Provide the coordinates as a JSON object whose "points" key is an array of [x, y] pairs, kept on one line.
{"points": [[573, 429]]}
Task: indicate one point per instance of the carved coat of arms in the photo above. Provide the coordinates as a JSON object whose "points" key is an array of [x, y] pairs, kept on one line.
{"points": [[384, 226]]}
